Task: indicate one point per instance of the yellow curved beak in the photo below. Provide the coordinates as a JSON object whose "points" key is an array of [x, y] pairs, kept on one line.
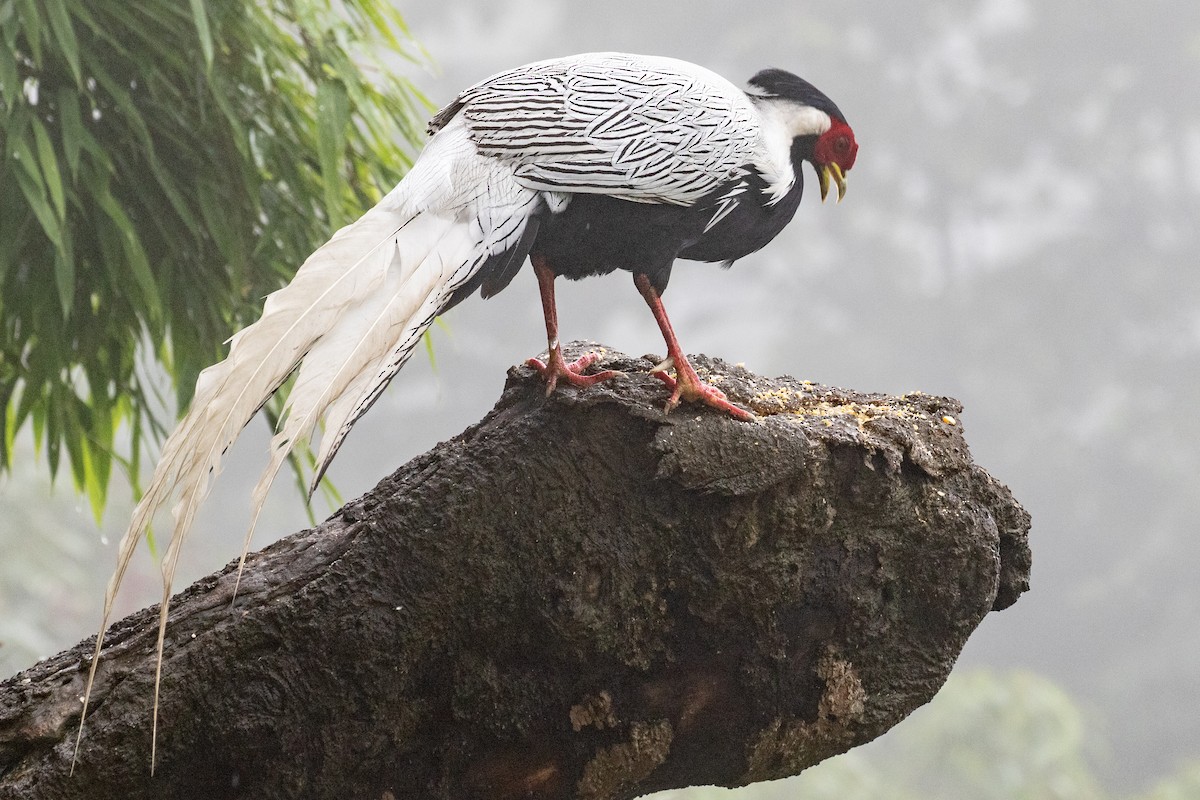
{"points": [[832, 173]]}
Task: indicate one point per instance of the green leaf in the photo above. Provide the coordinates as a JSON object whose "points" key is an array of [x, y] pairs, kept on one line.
{"points": [[200, 16], [427, 340], [73, 436], [8, 12], [233, 117], [8, 413], [64, 275], [64, 35], [96, 452], [104, 421], [29, 178], [53, 432], [28, 403], [333, 117], [74, 135], [10, 87], [383, 22], [37, 415], [135, 256], [133, 467], [31, 21], [174, 197], [95, 487], [214, 220], [118, 93], [48, 161], [16, 225]]}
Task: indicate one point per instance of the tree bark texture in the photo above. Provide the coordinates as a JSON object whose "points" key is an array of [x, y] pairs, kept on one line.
{"points": [[578, 597]]}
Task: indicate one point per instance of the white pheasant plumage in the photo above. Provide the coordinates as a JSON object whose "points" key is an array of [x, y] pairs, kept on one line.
{"points": [[512, 153]]}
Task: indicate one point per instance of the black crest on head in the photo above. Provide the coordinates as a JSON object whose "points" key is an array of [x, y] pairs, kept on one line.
{"points": [[786, 86]]}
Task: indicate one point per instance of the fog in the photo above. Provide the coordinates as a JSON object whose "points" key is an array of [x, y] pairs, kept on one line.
{"points": [[1020, 232]]}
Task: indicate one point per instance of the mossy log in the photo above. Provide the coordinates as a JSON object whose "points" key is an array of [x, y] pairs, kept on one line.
{"points": [[578, 597]]}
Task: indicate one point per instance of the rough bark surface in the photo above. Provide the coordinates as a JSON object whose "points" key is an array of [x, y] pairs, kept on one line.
{"points": [[578, 597]]}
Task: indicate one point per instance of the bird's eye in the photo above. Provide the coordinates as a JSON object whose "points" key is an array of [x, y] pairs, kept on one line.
{"points": [[842, 144]]}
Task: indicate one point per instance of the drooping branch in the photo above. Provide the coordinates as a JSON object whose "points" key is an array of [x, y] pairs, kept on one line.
{"points": [[578, 597]]}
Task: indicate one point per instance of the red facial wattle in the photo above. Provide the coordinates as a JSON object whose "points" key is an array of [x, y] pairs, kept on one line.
{"points": [[833, 156]]}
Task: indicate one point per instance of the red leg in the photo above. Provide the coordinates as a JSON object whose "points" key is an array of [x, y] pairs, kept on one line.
{"points": [[686, 385], [555, 367]]}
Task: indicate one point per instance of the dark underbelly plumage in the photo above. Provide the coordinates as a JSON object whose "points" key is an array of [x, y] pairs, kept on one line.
{"points": [[597, 234]]}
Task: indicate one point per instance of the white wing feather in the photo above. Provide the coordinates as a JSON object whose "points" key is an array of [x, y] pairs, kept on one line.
{"points": [[640, 128]]}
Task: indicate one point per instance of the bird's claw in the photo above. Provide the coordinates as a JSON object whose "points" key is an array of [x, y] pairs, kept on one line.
{"points": [[689, 387], [554, 367]]}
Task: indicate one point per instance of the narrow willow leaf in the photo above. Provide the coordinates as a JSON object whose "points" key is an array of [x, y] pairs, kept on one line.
{"points": [[96, 450], [118, 92], [427, 340], [73, 433], [16, 226], [26, 405], [48, 162], [104, 420], [92, 483], [174, 196], [108, 237], [37, 416], [134, 464], [131, 246], [64, 35], [53, 435], [200, 16], [64, 275], [31, 21], [29, 178], [74, 135], [214, 221], [7, 421], [376, 14], [81, 16], [333, 117], [10, 84], [233, 116]]}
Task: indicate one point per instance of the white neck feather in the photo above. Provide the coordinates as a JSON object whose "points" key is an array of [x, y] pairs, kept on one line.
{"points": [[782, 121], [794, 119]]}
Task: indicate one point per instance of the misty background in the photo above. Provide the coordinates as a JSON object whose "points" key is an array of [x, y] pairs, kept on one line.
{"points": [[1020, 233]]}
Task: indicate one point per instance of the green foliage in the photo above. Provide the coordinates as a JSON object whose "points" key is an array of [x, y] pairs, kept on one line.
{"points": [[993, 736], [163, 166]]}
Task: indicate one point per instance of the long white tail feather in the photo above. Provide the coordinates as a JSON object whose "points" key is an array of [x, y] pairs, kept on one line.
{"points": [[348, 320], [436, 281], [335, 364], [448, 274]]}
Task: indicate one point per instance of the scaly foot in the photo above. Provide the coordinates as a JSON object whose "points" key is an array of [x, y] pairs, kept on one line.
{"points": [[686, 385], [555, 367]]}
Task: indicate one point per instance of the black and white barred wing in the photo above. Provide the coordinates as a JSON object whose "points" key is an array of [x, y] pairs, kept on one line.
{"points": [[637, 128]]}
